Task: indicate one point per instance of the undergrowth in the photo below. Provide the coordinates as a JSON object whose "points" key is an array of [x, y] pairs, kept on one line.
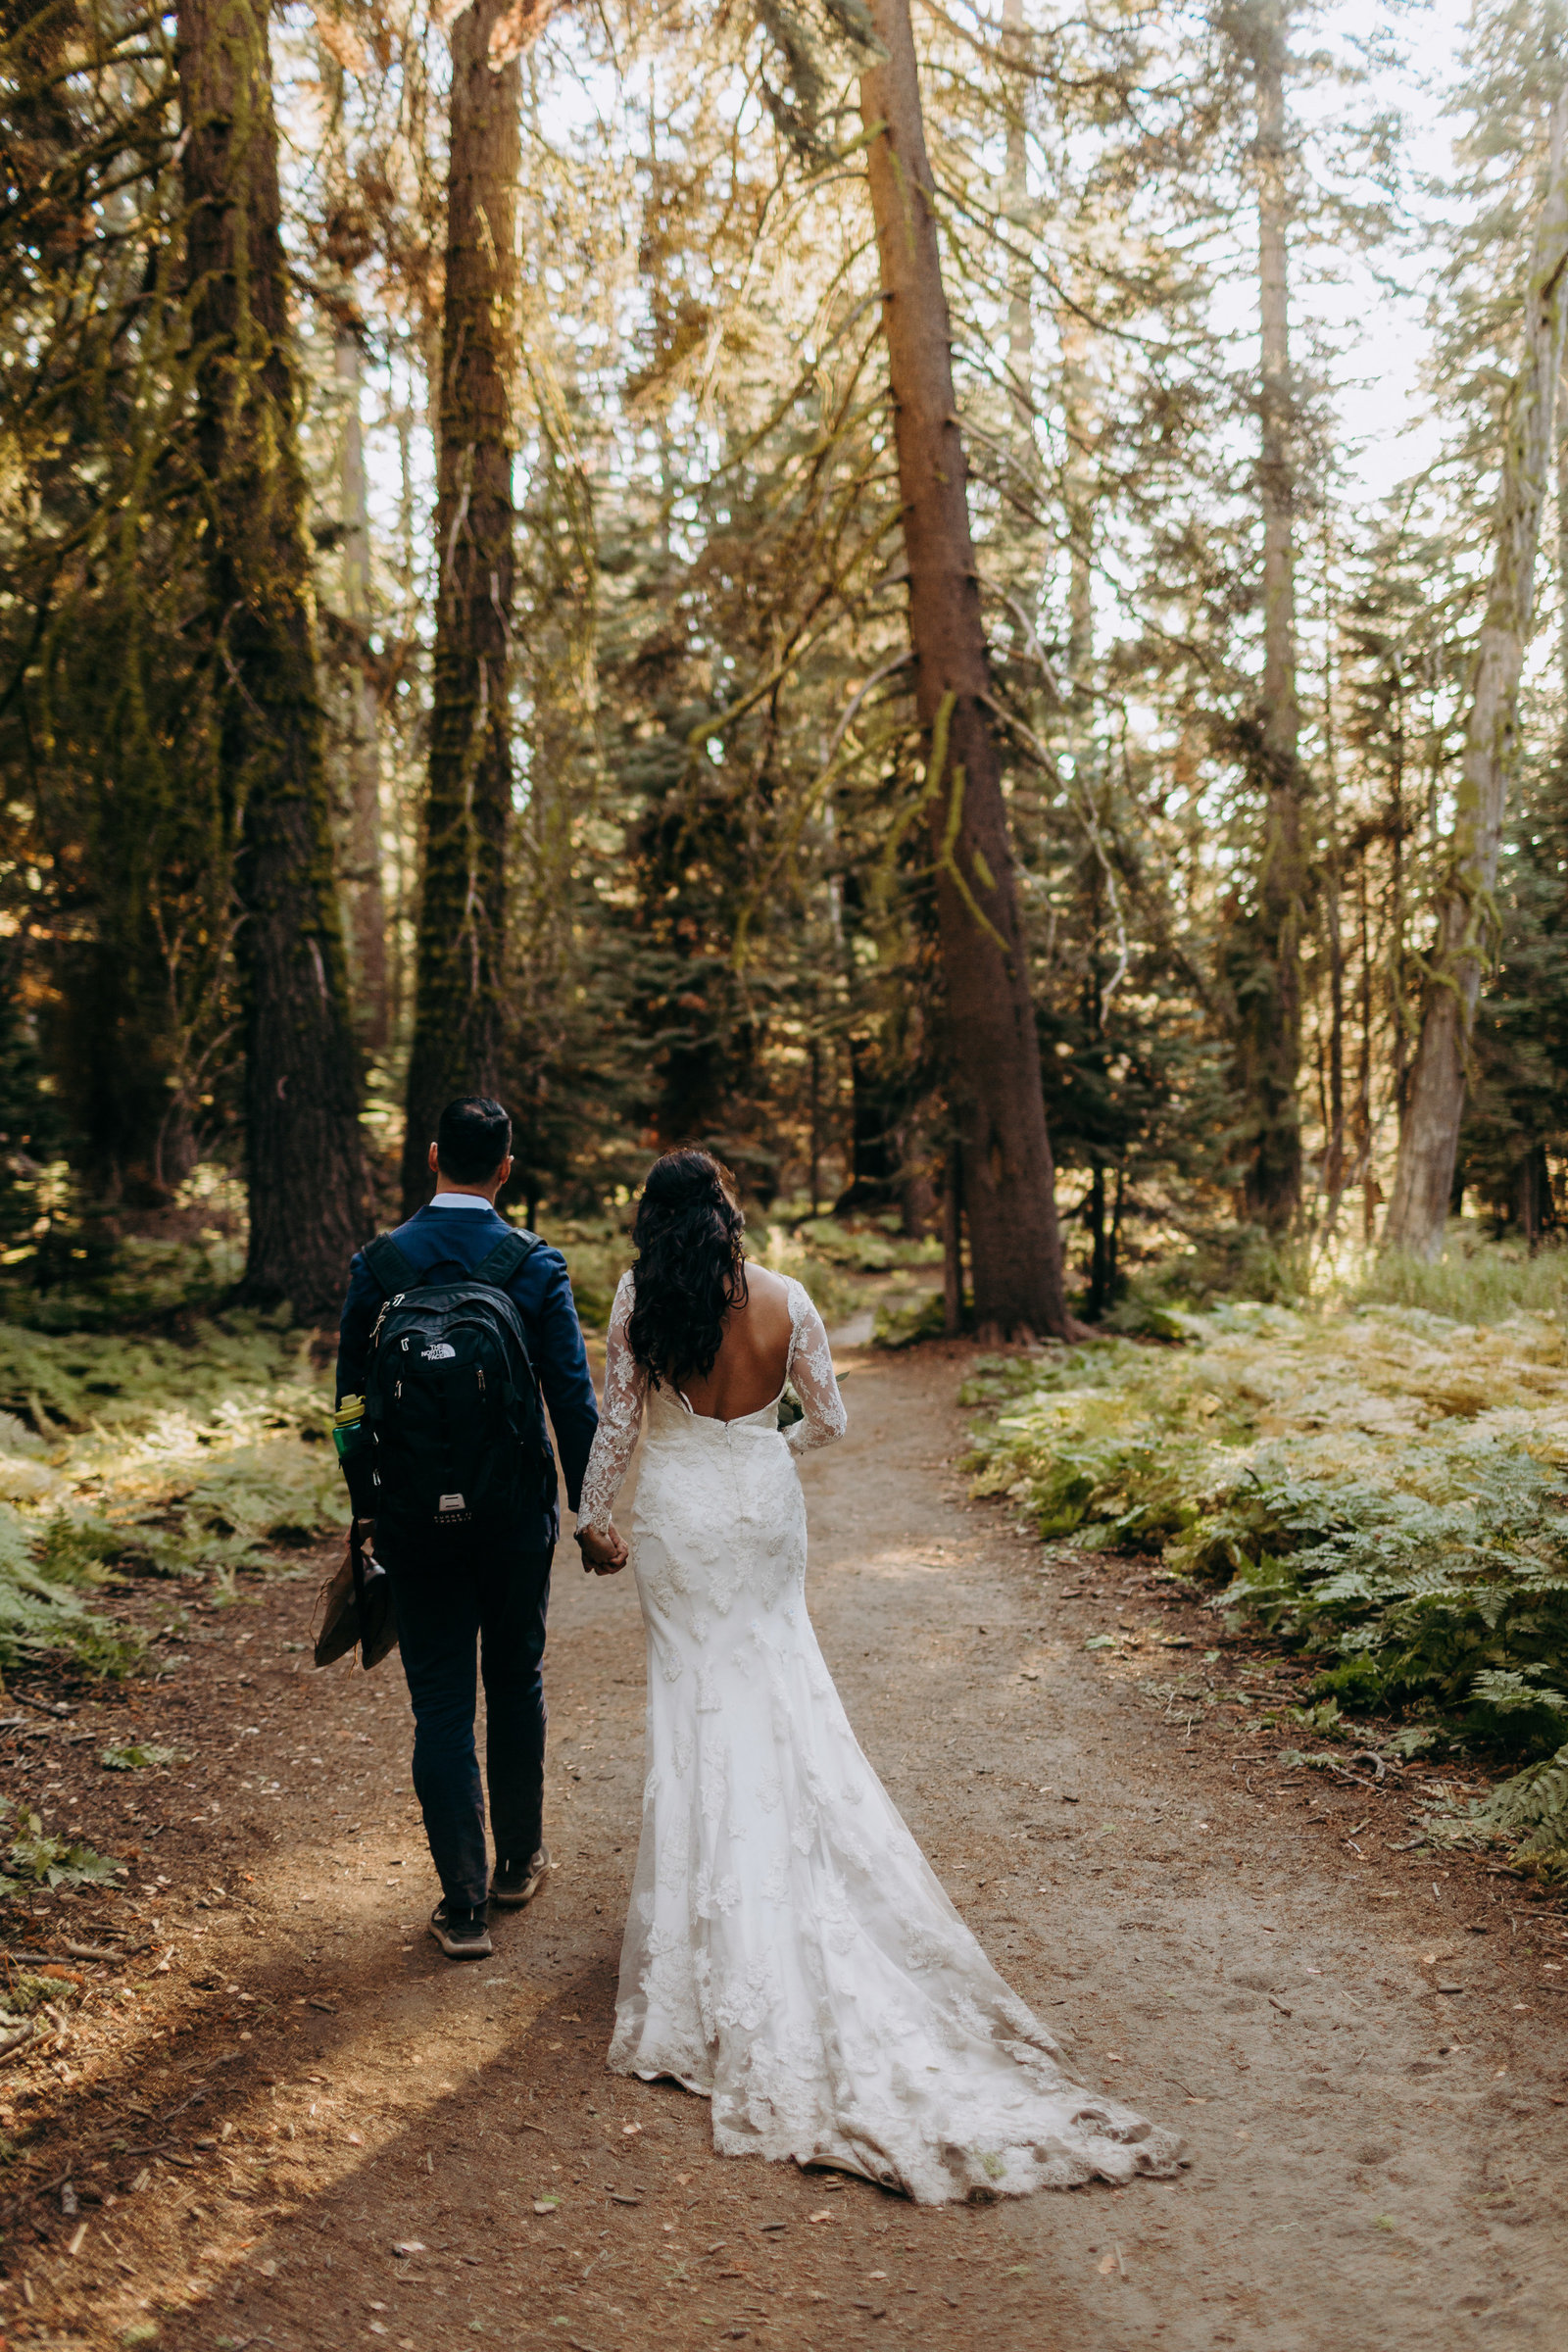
{"points": [[125, 1454], [207, 1449], [1383, 1489], [822, 1254], [33, 1860]]}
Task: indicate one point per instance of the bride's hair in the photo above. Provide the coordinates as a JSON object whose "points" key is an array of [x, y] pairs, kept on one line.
{"points": [[690, 1271]]}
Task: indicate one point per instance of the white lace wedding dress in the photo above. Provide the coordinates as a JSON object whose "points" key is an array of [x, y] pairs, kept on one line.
{"points": [[789, 1952]]}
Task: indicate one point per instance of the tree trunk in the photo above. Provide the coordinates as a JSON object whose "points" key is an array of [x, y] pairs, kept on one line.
{"points": [[1270, 1016], [1467, 922], [1078, 489], [1334, 1139], [1101, 1276], [458, 1013], [305, 1169], [953, 1243], [1395, 901], [1532, 1205], [1363, 1080], [991, 1047], [1333, 886], [366, 892], [874, 1171], [1016, 213], [1562, 543]]}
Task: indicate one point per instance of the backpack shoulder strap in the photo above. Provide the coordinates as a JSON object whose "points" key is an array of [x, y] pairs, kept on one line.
{"points": [[510, 1255], [390, 1268]]}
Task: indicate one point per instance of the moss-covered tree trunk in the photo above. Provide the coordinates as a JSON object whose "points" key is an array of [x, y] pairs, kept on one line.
{"points": [[459, 1016], [1467, 917], [992, 1048], [304, 1164]]}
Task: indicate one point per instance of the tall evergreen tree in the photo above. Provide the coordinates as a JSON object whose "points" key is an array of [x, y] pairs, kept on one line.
{"points": [[304, 1167], [459, 1008], [992, 1052], [1267, 955], [1467, 936]]}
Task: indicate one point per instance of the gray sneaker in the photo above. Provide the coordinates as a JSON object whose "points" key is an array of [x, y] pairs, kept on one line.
{"points": [[461, 1935], [518, 1883]]}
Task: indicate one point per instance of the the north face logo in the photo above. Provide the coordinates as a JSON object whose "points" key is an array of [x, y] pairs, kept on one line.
{"points": [[437, 1353]]}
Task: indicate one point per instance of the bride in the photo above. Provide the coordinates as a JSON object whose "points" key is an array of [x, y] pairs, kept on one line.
{"points": [[789, 1952]]}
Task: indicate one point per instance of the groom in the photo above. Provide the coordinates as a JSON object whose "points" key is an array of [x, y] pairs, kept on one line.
{"points": [[486, 1591]]}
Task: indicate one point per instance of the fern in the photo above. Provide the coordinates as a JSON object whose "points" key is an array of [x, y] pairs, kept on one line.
{"points": [[125, 1454], [1379, 1488], [41, 1861], [1530, 1813]]}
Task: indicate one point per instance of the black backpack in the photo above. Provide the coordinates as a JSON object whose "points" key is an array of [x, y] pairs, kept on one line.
{"points": [[452, 1409]]}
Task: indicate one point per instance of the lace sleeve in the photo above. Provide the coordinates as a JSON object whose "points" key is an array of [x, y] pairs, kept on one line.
{"points": [[619, 1419], [811, 1372]]}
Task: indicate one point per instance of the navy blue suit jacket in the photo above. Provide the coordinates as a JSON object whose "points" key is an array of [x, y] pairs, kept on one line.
{"points": [[450, 1242]]}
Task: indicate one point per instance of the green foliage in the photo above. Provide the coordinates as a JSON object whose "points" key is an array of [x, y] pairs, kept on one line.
{"points": [[597, 1252], [44, 1618], [32, 1859], [1219, 1265], [1517, 1098], [873, 1248], [82, 1274], [124, 1455], [1325, 1719], [1381, 1490], [136, 1755], [904, 1326], [31, 1129], [1356, 1682], [1471, 1281], [26, 1993], [1528, 1813], [67, 1385]]}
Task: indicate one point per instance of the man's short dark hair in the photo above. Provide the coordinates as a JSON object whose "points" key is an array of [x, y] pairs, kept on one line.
{"points": [[472, 1139]]}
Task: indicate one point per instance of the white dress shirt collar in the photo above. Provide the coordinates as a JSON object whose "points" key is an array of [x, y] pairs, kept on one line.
{"points": [[461, 1201]]}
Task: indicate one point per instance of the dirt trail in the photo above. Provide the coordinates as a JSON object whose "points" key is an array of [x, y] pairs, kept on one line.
{"points": [[1371, 2155]]}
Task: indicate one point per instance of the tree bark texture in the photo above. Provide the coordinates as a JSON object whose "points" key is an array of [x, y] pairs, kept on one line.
{"points": [[458, 1013], [1467, 923], [1332, 1181], [1267, 978], [992, 1045], [363, 883], [305, 1168], [1016, 213], [1078, 498], [1562, 537]]}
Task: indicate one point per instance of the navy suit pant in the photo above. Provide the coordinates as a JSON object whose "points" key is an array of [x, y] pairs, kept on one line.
{"points": [[487, 1597]]}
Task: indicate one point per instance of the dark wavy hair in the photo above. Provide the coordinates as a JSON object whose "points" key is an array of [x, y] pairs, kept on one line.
{"points": [[690, 1271]]}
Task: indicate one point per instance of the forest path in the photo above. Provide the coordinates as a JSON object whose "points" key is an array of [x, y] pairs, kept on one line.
{"points": [[1374, 2160]]}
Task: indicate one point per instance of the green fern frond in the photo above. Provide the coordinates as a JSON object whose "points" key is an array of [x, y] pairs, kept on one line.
{"points": [[1530, 1813]]}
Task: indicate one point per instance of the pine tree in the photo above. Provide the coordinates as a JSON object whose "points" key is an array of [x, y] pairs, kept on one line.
{"points": [[460, 1011], [1269, 946], [1466, 907], [991, 1052], [304, 1168]]}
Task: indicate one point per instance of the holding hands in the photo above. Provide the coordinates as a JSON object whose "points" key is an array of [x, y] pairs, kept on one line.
{"points": [[606, 1554]]}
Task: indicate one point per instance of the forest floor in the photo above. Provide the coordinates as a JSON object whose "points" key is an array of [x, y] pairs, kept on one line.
{"points": [[280, 2117]]}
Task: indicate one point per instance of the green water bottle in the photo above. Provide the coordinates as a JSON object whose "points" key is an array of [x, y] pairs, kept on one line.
{"points": [[348, 1427], [355, 1451]]}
